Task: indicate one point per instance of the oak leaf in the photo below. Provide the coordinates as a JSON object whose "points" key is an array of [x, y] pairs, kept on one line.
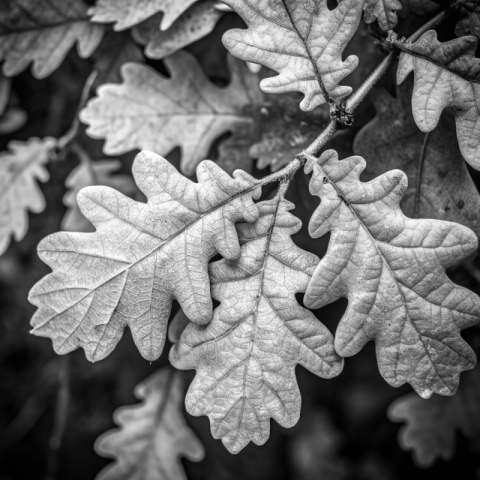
{"points": [[152, 435], [195, 23], [149, 111], [127, 13], [20, 169], [246, 357], [42, 32], [432, 425], [469, 23], [446, 75], [392, 270], [302, 41], [88, 174], [439, 184], [141, 257], [385, 11]]}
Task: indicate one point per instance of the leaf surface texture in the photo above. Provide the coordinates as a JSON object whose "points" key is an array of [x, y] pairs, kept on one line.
{"points": [[446, 75], [246, 357], [42, 32], [141, 257], [439, 184], [151, 112], [302, 41], [152, 435], [392, 271]]}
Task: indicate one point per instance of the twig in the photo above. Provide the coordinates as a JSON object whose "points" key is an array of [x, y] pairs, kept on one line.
{"points": [[357, 97]]}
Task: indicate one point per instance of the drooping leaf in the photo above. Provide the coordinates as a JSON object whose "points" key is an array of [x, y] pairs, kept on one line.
{"points": [[439, 184], [20, 169], [149, 111], [152, 436], [302, 41], [127, 13], [432, 425], [115, 50], [42, 32], [141, 257], [392, 270], [385, 11], [195, 23], [87, 175], [446, 75], [246, 357]]}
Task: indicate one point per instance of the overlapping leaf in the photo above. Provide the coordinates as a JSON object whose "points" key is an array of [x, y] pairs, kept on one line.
{"points": [[446, 75], [148, 111], [141, 257], [152, 435], [439, 184], [302, 41], [42, 32], [88, 174], [246, 357], [127, 13], [385, 11], [195, 23], [392, 270], [20, 169], [431, 426]]}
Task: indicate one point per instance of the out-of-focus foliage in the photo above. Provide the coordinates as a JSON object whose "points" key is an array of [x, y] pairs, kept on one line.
{"points": [[152, 436]]}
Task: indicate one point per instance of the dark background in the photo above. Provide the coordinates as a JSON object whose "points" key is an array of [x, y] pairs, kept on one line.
{"points": [[343, 433]]}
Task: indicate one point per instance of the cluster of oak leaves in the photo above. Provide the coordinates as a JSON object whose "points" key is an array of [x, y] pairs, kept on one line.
{"points": [[388, 262]]}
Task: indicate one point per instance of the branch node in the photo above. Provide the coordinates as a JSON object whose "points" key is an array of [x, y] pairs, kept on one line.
{"points": [[342, 115]]}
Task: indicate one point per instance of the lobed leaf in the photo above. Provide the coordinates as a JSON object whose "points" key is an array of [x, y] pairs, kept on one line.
{"points": [[195, 23], [392, 271], [246, 356], [42, 32], [20, 169], [141, 257], [149, 111], [88, 174], [385, 11], [431, 426], [127, 13], [446, 75], [439, 184], [152, 436], [469, 23], [302, 41]]}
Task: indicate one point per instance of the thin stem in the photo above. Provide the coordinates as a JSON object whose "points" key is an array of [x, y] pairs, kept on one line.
{"points": [[73, 130], [355, 99], [435, 21]]}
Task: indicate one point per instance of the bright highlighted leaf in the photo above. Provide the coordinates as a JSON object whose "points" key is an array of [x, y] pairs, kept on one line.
{"points": [[42, 32], [302, 41], [246, 357], [141, 257], [432, 425], [195, 23], [152, 436], [446, 75], [149, 111], [127, 13], [20, 169], [392, 271], [439, 185], [88, 174]]}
